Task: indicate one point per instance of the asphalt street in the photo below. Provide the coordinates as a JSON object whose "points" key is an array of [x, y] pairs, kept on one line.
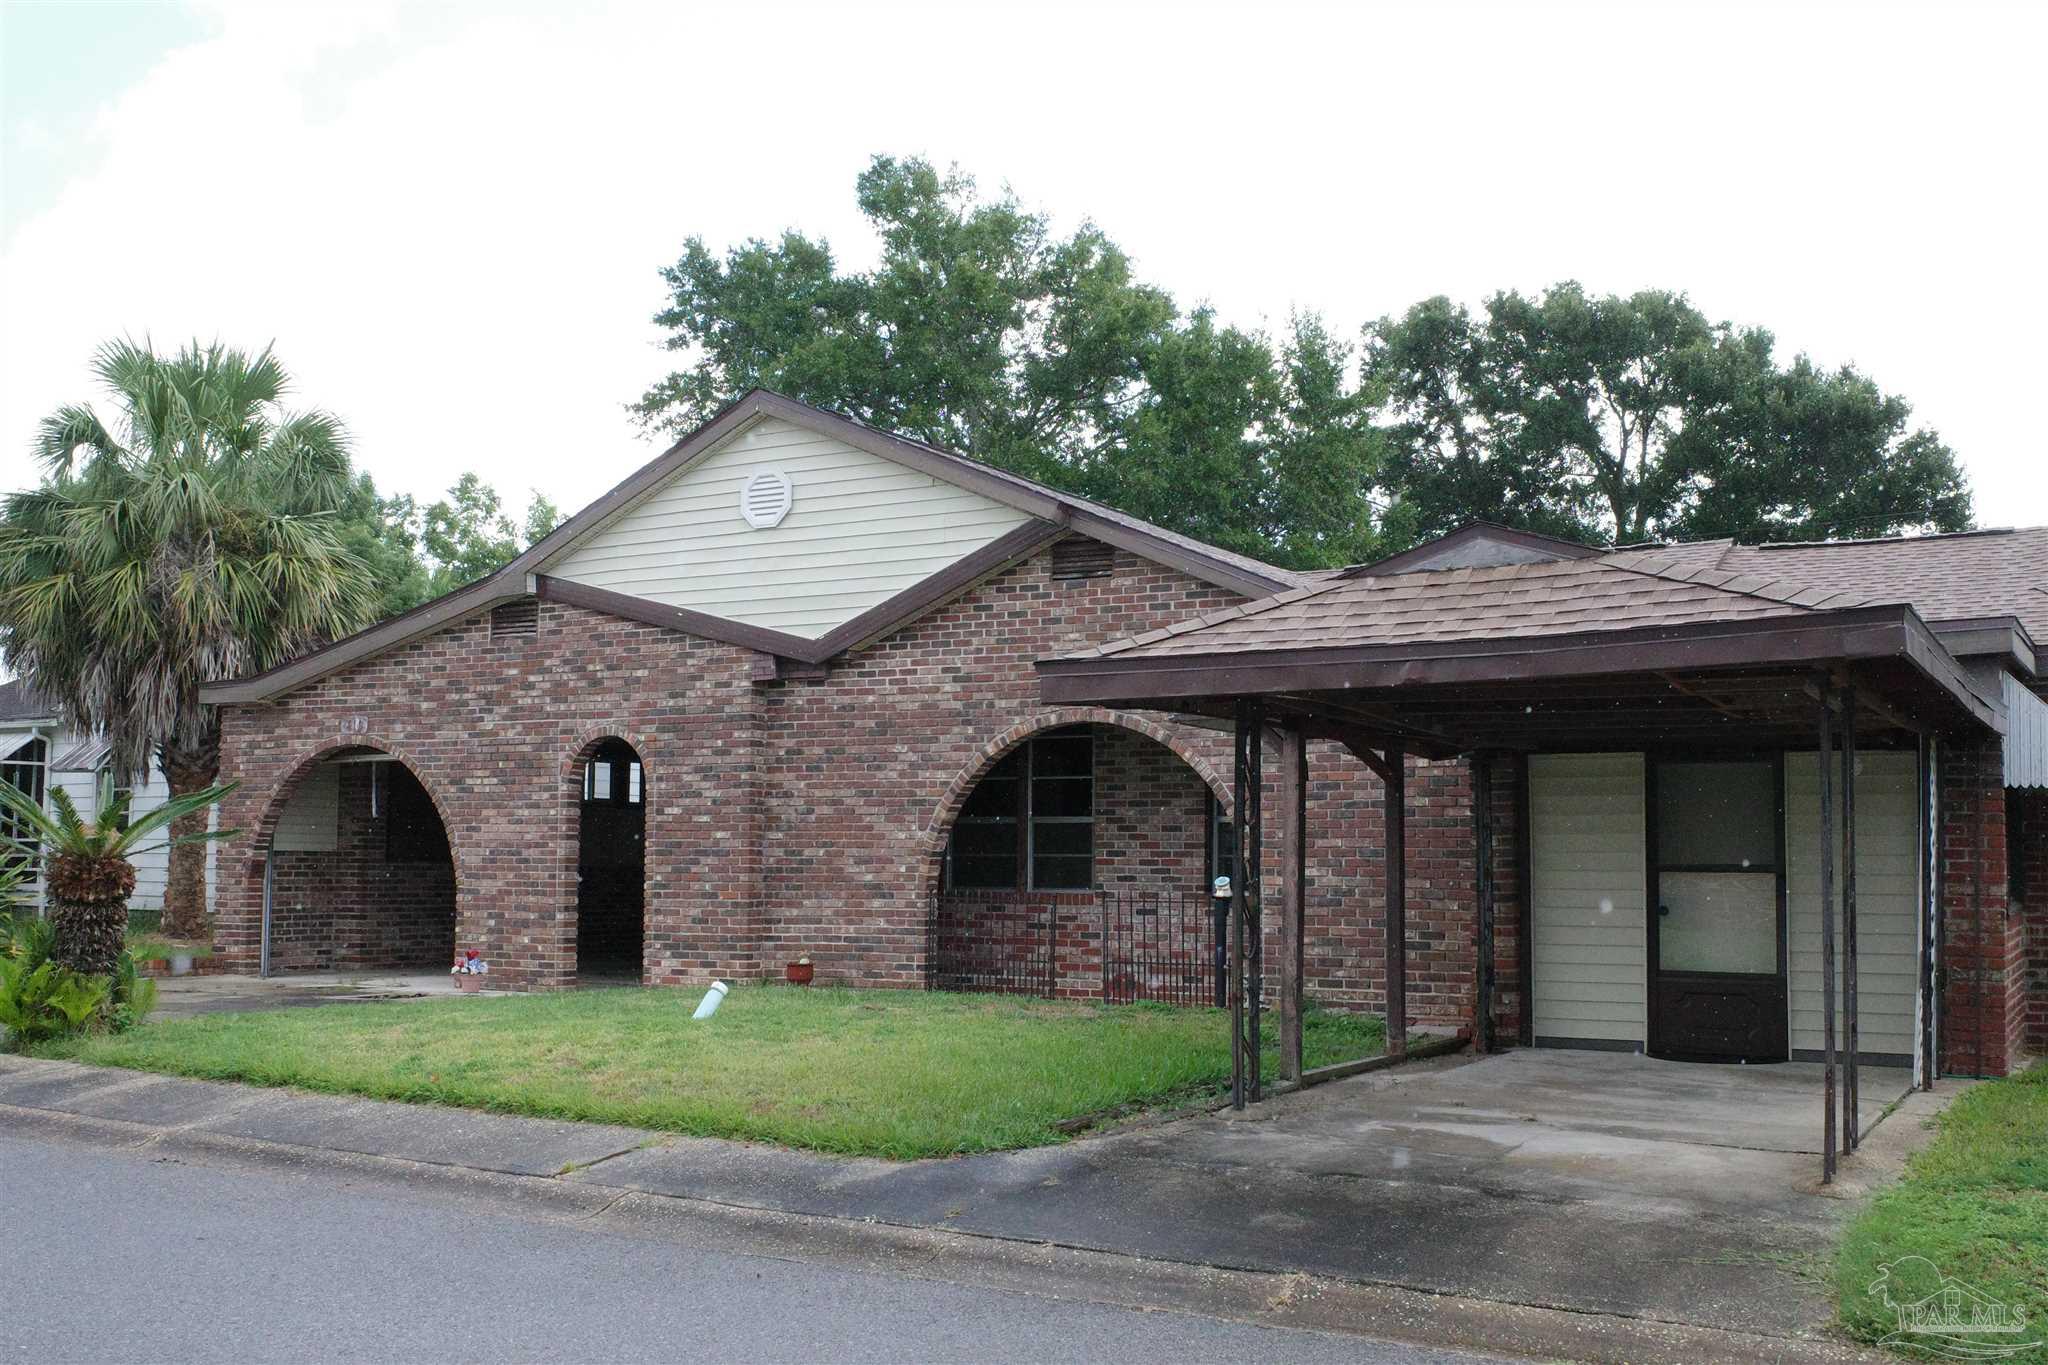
{"points": [[122, 1256]]}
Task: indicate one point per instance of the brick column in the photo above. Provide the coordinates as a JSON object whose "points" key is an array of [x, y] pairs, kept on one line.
{"points": [[2031, 805], [1983, 956]]}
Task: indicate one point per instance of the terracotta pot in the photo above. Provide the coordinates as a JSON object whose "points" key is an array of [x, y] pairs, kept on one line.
{"points": [[799, 973], [469, 983]]}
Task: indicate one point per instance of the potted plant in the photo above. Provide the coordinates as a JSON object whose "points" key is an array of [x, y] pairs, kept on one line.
{"points": [[799, 972], [469, 970]]}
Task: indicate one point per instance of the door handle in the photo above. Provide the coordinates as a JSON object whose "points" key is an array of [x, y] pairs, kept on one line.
{"points": [[1663, 909]]}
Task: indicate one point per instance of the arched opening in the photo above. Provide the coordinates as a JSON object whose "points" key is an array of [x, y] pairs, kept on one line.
{"points": [[611, 866], [359, 870], [1076, 860]]}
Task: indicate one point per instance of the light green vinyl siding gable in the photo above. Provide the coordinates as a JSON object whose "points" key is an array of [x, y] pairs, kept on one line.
{"points": [[860, 530]]}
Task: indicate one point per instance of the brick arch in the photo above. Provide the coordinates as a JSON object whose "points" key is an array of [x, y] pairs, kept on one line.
{"points": [[569, 844], [295, 777], [940, 827]]}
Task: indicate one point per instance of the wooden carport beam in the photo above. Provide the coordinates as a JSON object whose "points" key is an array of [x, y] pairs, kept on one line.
{"points": [[1851, 1139], [1827, 938]]}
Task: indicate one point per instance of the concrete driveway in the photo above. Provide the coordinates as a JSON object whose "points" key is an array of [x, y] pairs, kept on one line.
{"points": [[1598, 1182]]}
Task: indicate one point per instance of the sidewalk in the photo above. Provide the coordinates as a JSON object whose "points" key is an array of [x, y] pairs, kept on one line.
{"points": [[1260, 1194]]}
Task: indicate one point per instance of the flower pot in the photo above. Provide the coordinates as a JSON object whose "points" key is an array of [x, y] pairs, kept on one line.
{"points": [[799, 973], [469, 983]]}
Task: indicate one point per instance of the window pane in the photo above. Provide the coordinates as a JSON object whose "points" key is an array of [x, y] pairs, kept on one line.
{"points": [[1717, 814], [995, 838], [1063, 796], [1717, 922], [1076, 837], [600, 781], [993, 798], [985, 873], [1061, 873], [1063, 756], [633, 783]]}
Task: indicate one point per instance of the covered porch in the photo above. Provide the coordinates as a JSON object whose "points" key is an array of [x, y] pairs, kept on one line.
{"points": [[1678, 833]]}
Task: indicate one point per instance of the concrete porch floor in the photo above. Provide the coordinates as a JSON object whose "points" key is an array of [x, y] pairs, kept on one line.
{"points": [[178, 996]]}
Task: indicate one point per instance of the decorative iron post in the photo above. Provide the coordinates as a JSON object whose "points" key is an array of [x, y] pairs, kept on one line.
{"points": [[1244, 897]]}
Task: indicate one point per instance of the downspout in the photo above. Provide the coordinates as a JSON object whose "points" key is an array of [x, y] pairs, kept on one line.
{"points": [[263, 948]]}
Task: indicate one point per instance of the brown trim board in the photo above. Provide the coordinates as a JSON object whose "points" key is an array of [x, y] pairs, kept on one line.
{"points": [[1472, 530], [1807, 637]]}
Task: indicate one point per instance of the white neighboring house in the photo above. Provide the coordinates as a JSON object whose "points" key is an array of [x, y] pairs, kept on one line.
{"points": [[39, 752]]}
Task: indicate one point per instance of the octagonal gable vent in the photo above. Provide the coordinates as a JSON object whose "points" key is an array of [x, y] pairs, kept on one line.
{"points": [[766, 497]]}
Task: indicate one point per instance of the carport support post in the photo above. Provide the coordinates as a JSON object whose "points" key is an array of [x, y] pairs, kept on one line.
{"points": [[1827, 935], [1293, 893], [1244, 898], [1482, 839], [1849, 1079], [1397, 901]]}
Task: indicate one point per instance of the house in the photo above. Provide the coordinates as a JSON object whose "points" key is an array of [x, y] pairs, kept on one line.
{"points": [[802, 687], [41, 753]]}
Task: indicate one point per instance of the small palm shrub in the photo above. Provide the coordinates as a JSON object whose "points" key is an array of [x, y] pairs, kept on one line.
{"points": [[41, 999], [86, 866]]}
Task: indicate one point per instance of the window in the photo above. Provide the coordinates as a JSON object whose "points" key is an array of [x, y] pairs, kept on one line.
{"points": [[612, 778], [26, 769], [116, 784], [1030, 824]]}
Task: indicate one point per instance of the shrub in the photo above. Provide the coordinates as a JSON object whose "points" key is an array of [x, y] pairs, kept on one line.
{"points": [[41, 999]]}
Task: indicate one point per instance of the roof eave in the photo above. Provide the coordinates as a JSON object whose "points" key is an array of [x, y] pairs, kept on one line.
{"points": [[1816, 638]]}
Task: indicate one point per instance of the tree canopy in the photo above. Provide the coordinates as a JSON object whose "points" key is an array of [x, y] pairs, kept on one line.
{"points": [[187, 536], [1628, 419], [982, 330], [1602, 418]]}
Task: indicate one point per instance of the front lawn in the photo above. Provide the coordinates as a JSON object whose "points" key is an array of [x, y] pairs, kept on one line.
{"points": [[1974, 1205], [880, 1073]]}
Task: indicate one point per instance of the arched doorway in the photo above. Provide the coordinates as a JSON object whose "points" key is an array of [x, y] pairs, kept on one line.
{"points": [[1075, 859], [611, 866], [359, 873]]}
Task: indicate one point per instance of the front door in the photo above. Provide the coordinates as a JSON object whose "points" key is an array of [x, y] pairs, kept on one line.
{"points": [[1717, 894]]}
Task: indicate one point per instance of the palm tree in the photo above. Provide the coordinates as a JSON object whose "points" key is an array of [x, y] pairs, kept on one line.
{"points": [[87, 866], [192, 540]]}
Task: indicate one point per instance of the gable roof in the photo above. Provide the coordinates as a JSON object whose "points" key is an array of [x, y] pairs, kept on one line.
{"points": [[21, 703], [1054, 513], [1961, 576]]}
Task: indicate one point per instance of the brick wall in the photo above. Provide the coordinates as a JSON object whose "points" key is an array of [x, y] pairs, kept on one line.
{"points": [[355, 908], [808, 816], [2033, 857], [1983, 951]]}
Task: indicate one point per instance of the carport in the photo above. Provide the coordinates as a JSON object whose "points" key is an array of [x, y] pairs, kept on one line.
{"points": [[1711, 696]]}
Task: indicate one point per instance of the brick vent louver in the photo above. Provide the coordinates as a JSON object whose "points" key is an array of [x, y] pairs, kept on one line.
{"points": [[1078, 557], [516, 618]]}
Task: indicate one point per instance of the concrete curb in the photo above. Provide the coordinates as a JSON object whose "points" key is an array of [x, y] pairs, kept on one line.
{"points": [[1301, 1301]]}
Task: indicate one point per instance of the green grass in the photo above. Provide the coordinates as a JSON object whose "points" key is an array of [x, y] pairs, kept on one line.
{"points": [[881, 1073], [1974, 1202], [146, 940]]}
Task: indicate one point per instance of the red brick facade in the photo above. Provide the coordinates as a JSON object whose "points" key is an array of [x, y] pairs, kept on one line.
{"points": [[808, 817], [2032, 865]]}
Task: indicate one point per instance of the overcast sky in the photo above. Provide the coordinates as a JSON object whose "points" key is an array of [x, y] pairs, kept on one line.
{"points": [[449, 218]]}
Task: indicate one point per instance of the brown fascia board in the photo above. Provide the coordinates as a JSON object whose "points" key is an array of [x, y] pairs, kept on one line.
{"points": [[401, 629], [1472, 530], [1815, 637], [2006, 637], [649, 612], [509, 582]]}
